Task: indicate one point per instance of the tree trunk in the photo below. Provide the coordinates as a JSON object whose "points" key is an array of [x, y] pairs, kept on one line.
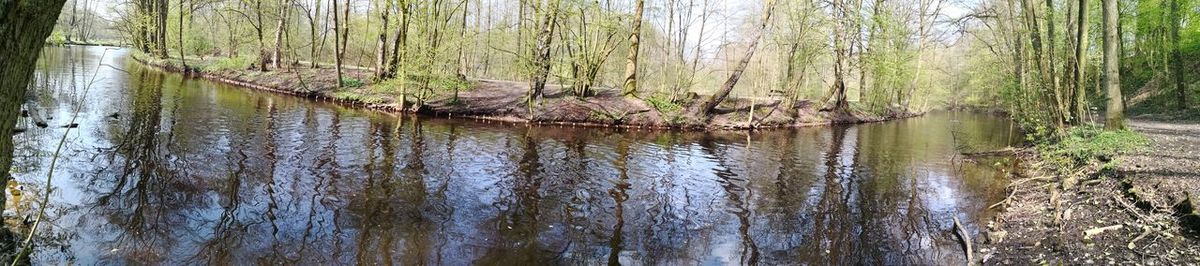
{"points": [[541, 55], [312, 30], [1081, 45], [258, 31], [280, 27], [706, 107], [631, 61], [24, 26], [462, 48], [1114, 116], [160, 28], [1177, 56], [381, 52], [337, 49]]}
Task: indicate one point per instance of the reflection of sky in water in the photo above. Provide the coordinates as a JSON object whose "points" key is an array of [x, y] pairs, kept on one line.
{"points": [[194, 172]]}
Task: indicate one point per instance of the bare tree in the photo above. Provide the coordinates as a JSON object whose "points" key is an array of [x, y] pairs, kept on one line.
{"points": [[706, 107], [631, 61]]}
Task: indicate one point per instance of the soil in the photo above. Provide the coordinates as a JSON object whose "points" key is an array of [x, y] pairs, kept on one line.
{"points": [[1143, 213], [506, 101]]}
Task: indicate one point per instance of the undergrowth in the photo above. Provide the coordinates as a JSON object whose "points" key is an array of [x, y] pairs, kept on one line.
{"points": [[1081, 145], [229, 63]]}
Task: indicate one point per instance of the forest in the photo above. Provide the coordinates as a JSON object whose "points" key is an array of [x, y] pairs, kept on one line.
{"points": [[877, 57]]}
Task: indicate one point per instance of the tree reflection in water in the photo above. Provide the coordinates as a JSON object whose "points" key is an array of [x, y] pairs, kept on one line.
{"points": [[191, 172]]}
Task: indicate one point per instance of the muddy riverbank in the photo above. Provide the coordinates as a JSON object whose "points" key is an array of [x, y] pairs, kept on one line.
{"points": [[1140, 211], [500, 100]]}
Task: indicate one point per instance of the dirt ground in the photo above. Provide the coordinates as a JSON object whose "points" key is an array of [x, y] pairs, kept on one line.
{"points": [[1142, 215]]}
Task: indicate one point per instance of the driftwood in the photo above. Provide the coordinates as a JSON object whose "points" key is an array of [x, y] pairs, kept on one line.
{"points": [[966, 241]]}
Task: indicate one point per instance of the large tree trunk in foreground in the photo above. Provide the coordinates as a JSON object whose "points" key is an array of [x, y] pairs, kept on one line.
{"points": [[706, 107], [24, 26], [631, 61], [1114, 116]]}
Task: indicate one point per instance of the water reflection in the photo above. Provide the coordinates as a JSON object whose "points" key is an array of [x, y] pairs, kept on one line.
{"points": [[165, 170]]}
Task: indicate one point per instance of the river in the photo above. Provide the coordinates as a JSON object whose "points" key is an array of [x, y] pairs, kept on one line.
{"points": [[167, 170]]}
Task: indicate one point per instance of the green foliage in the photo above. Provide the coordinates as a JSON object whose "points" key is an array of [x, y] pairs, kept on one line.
{"points": [[352, 82], [356, 96], [56, 38], [449, 84], [1080, 145], [663, 104], [229, 63]]}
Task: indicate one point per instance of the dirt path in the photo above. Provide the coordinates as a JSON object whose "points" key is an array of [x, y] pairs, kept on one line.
{"points": [[1173, 160]]}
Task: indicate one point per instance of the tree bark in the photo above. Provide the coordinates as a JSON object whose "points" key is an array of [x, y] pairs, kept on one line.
{"points": [[631, 61], [381, 51], [706, 107], [280, 27], [24, 26], [1081, 45], [541, 55], [1177, 57], [1114, 116], [337, 48]]}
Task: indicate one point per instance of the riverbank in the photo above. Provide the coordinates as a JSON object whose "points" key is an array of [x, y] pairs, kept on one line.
{"points": [[1133, 207], [500, 100]]}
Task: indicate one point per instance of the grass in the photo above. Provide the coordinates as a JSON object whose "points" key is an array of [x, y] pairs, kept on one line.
{"points": [[352, 82], [229, 63], [663, 104], [1084, 144], [365, 98]]}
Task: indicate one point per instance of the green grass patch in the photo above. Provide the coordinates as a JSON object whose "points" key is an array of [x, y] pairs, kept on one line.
{"points": [[229, 63], [663, 104], [360, 97], [1081, 145], [352, 82]]}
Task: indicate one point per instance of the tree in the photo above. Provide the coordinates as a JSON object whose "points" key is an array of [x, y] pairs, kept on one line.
{"points": [[1114, 116], [337, 48], [1177, 56], [24, 26], [541, 51], [280, 28], [706, 107], [631, 61], [1081, 37], [381, 52]]}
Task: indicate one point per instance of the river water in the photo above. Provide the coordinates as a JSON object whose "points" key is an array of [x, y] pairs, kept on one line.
{"points": [[167, 170]]}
